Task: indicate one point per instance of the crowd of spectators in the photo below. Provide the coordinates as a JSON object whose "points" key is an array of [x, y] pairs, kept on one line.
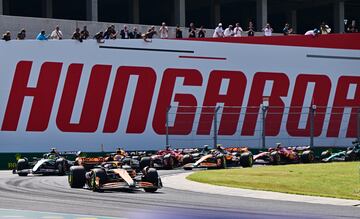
{"points": [[163, 32]]}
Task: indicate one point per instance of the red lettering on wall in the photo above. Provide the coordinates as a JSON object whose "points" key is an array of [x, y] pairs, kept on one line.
{"points": [[276, 105], [43, 96], [233, 98], [185, 115], [320, 98], [340, 102], [141, 103], [94, 98]]}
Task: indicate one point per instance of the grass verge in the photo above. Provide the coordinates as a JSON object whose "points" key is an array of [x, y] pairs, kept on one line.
{"points": [[338, 180]]}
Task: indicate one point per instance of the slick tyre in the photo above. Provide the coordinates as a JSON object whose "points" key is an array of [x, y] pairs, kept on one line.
{"points": [[246, 159], [307, 157], [350, 155], [22, 164], [151, 176], [145, 162], [76, 177], [101, 174], [275, 158]]}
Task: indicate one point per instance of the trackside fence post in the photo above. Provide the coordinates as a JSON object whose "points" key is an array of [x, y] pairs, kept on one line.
{"points": [[264, 109], [215, 126], [312, 120], [358, 124], [167, 125]]}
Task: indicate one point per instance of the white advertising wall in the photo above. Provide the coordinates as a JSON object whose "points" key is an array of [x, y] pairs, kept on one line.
{"points": [[27, 125]]}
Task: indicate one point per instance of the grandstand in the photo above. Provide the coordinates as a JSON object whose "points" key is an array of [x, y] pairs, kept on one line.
{"points": [[97, 14]]}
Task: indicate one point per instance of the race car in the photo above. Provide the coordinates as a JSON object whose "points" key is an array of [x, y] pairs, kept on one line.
{"points": [[351, 154], [166, 159], [112, 175], [221, 158], [285, 155], [51, 163]]}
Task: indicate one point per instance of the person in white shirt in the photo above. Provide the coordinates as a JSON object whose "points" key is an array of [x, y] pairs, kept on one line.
{"points": [[219, 32], [237, 30], [56, 34], [268, 30], [312, 32], [164, 31], [229, 31]]}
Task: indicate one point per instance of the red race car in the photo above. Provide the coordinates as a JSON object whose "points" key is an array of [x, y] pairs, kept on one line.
{"points": [[285, 155]]}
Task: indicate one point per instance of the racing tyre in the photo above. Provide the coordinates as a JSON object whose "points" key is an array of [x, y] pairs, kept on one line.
{"points": [[22, 164], [76, 177], [221, 162], [145, 162], [60, 165], [325, 154], [151, 176], [350, 155], [246, 159], [101, 174], [275, 158], [169, 163], [187, 159], [307, 157]]}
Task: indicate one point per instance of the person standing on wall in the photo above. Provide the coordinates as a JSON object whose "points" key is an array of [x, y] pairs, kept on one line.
{"points": [[237, 30]]}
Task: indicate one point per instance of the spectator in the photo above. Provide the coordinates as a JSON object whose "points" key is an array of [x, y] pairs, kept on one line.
{"points": [[237, 30], [178, 32], [6, 36], [287, 30], [42, 36], [268, 30], [192, 31], [202, 32], [56, 34], [107, 33], [21, 35], [125, 33], [229, 31], [113, 32], [219, 32], [324, 28], [76, 35], [134, 34], [149, 34], [251, 31], [84, 34], [352, 28], [312, 32], [99, 37], [164, 31]]}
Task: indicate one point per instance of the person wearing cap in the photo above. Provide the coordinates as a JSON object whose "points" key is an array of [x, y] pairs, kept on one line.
{"points": [[268, 30], [312, 32], [229, 31], [324, 28], [41, 36], [237, 30], [219, 32], [164, 31], [21, 35]]}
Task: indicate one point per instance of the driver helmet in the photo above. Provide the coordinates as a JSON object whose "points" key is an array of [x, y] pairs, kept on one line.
{"points": [[53, 151], [206, 147], [219, 146], [167, 147], [278, 145], [120, 152]]}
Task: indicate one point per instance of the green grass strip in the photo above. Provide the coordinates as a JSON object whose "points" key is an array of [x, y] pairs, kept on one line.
{"points": [[338, 180]]}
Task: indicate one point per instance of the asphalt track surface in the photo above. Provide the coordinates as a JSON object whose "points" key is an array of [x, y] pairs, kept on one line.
{"points": [[52, 194]]}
